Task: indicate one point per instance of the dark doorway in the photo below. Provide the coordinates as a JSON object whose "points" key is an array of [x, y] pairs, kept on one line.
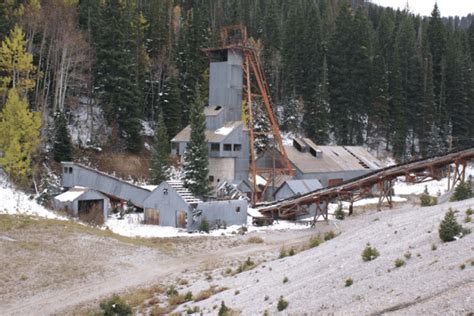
{"points": [[91, 211]]}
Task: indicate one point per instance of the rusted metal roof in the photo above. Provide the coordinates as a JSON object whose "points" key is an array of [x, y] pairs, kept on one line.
{"points": [[211, 136]]}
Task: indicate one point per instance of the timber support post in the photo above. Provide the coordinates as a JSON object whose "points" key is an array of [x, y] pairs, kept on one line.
{"points": [[386, 190], [320, 211]]}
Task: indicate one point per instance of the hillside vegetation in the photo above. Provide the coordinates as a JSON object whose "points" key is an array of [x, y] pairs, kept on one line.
{"points": [[339, 72]]}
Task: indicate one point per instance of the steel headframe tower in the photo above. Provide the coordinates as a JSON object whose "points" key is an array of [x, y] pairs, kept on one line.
{"points": [[256, 93]]}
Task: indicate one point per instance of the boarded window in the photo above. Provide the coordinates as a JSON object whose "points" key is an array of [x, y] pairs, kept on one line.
{"points": [[152, 216], [333, 182], [227, 147], [211, 178], [215, 147], [237, 209], [181, 219], [237, 147]]}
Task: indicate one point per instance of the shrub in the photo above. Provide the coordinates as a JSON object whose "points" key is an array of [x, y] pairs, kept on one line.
{"points": [[433, 247], [189, 296], [407, 255], [204, 226], [370, 253], [171, 291], [242, 230], [282, 304], [223, 310], [314, 242], [283, 253], [329, 235], [462, 192], [427, 200], [247, 265], [469, 212], [203, 295], [237, 292], [349, 282], [176, 300], [449, 227], [115, 307], [292, 252], [339, 213], [285, 279], [467, 219], [255, 240], [462, 266], [399, 262]]}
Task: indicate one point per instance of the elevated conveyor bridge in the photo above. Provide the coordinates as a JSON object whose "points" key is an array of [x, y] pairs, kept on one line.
{"points": [[452, 165]]}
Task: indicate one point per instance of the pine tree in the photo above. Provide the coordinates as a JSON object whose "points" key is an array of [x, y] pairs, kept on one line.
{"points": [[19, 137], [159, 161], [292, 118], [62, 148], [16, 64], [340, 49], [115, 73], [171, 106], [196, 156], [315, 119]]}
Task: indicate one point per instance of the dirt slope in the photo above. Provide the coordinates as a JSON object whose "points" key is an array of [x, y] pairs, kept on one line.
{"points": [[432, 281], [52, 267]]}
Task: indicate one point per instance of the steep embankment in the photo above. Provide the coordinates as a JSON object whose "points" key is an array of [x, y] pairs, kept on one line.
{"points": [[432, 280]]}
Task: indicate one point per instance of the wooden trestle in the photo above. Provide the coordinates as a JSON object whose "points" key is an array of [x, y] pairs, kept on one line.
{"points": [[379, 182]]}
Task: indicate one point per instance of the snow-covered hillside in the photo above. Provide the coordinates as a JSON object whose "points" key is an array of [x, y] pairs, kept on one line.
{"points": [[18, 203], [438, 278]]}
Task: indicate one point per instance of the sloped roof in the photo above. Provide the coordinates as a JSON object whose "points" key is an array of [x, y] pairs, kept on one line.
{"points": [[185, 194], [74, 193], [301, 186], [331, 158], [216, 136], [71, 195]]}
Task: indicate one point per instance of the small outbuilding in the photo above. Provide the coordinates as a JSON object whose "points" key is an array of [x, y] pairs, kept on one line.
{"points": [[171, 204], [292, 188], [83, 203]]}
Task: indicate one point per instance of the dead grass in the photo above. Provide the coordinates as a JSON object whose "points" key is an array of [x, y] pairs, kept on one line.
{"points": [[123, 165], [138, 297], [205, 294], [21, 222], [255, 240]]}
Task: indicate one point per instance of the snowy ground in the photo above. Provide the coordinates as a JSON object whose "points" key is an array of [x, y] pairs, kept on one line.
{"points": [[17, 202], [433, 280]]}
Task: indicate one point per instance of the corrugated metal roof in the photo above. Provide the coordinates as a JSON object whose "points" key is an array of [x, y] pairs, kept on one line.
{"points": [[332, 158], [304, 186], [211, 136]]}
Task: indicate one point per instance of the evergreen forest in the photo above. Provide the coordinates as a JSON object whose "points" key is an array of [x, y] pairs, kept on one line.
{"points": [[340, 72]]}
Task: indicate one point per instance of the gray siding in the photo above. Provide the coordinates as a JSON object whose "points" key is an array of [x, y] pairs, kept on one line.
{"points": [[213, 122], [167, 204], [324, 177], [73, 206], [85, 177], [225, 85], [218, 213]]}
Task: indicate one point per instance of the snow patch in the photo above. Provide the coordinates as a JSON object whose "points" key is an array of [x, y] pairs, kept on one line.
{"points": [[147, 128], [224, 130], [15, 202]]}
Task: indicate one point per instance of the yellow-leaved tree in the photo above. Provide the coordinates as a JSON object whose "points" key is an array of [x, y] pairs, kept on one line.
{"points": [[19, 137], [16, 64]]}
